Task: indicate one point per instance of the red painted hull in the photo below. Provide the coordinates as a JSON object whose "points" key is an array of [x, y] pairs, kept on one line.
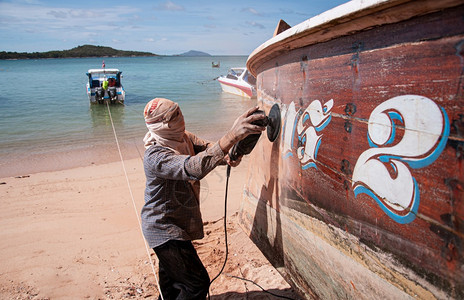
{"points": [[362, 195]]}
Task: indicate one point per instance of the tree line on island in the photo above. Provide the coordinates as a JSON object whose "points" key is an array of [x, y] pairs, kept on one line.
{"points": [[87, 51]]}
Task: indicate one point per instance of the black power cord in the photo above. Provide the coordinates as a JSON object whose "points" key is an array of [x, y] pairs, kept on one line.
{"points": [[225, 225], [227, 247]]}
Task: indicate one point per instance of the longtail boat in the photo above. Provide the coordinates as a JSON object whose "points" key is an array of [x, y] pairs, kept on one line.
{"points": [[361, 196]]}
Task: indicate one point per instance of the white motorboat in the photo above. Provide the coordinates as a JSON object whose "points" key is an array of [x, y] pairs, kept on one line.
{"points": [[105, 85], [239, 82]]}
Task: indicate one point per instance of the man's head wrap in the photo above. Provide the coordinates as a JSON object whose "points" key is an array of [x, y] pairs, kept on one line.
{"points": [[166, 126]]}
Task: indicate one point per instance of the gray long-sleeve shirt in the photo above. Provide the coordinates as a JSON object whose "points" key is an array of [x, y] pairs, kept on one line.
{"points": [[172, 206]]}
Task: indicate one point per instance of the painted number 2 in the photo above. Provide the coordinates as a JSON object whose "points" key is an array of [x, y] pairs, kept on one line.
{"points": [[382, 171]]}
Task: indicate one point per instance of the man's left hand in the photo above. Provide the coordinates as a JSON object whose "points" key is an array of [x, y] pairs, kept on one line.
{"points": [[232, 163]]}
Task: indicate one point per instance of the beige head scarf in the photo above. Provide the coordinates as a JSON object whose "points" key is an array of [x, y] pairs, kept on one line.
{"points": [[166, 126]]}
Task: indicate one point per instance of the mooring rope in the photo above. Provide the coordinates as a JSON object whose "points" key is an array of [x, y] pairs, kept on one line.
{"points": [[133, 202]]}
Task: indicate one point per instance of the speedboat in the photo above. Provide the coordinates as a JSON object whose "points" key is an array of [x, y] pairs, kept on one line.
{"points": [[105, 85], [239, 82]]}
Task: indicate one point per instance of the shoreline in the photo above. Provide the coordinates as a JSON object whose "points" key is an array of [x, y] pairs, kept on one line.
{"points": [[59, 160], [123, 56], [74, 156]]}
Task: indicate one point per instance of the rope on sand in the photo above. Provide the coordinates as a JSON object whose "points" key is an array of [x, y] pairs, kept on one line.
{"points": [[133, 201]]}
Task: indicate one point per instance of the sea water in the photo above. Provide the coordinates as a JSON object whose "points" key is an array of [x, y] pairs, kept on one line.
{"points": [[48, 123]]}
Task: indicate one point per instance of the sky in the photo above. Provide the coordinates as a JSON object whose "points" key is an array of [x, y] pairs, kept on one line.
{"points": [[163, 27]]}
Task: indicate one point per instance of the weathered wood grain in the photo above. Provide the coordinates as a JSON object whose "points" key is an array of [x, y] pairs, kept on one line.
{"points": [[306, 217]]}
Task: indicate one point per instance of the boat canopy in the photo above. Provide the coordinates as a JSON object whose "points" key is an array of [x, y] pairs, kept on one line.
{"points": [[104, 71], [100, 73], [96, 75]]}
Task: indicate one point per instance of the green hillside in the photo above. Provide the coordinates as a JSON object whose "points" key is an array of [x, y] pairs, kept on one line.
{"points": [[80, 51]]}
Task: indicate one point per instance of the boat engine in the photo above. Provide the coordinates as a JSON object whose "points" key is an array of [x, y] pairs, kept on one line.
{"points": [[99, 93], [112, 93], [272, 123]]}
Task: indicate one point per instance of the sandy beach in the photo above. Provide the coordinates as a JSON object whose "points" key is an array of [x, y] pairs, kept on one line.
{"points": [[74, 234]]}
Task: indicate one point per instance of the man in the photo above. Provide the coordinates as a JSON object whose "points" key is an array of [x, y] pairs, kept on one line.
{"points": [[175, 161]]}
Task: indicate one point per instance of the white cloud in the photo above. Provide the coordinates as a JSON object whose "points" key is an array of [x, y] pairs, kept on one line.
{"points": [[88, 14], [41, 25], [54, 24], [58, 14], [251, 10], [76, 14], [40, 16], [28, 1], [169, 5], [257, 25]]}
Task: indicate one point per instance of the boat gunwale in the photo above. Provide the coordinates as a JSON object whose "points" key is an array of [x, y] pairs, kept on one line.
{"points": [[340, 21]]}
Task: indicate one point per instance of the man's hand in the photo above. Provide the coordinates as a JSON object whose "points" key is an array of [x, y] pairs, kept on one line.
{"points": [[232, 163], [241, 129]]}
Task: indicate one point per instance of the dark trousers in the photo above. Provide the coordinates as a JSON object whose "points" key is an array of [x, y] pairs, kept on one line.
{"points": [[181, 272]]}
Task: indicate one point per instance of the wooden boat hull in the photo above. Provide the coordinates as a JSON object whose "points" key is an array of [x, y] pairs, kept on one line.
{"points": [[362, 194]]}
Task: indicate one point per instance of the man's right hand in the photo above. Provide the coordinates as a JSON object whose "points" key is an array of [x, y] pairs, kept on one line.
{"points": [[241, 128]]}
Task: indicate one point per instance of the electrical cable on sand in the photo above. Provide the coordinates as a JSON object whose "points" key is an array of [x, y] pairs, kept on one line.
{"points": [[225, 226], [133, 202], [227, 248]]}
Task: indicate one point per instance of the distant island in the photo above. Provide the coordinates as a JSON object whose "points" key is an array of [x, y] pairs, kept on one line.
{"points": [[88, 51], [194, 53], [80, 51]]}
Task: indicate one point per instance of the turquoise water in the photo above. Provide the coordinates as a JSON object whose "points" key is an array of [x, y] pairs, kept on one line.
{"points": [[47, 122]]}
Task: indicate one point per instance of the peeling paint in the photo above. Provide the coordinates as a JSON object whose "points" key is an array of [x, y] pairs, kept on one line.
{"points": [[362, 195]]}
